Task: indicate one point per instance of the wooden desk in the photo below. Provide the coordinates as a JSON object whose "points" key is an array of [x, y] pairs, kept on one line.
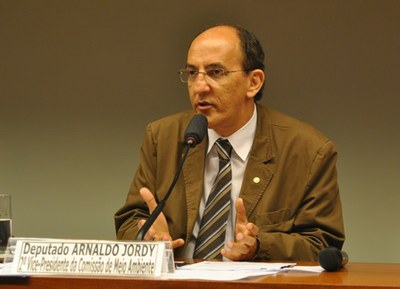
{"points": [[355, 275]]}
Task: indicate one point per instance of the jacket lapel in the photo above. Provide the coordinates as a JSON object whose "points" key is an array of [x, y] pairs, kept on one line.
{"points": [[193, 175], [257, 175]]}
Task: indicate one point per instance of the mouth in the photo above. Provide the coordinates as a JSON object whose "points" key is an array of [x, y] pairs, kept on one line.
{"points": [[203, 105]]}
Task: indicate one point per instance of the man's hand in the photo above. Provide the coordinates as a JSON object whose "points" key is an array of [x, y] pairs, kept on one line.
{"points": [[159, 230], [246, 244]]}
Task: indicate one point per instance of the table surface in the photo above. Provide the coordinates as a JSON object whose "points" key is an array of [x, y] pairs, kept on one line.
{"points": [[353, 275]]}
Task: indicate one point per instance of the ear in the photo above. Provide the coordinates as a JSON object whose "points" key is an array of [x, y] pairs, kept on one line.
{"points": [[256, 80]]}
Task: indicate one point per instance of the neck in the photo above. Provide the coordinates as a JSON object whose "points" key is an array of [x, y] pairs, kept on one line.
{"points": [[231, 129]]}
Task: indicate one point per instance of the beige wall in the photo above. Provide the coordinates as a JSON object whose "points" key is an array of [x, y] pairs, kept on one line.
{"points": [[79, 80]]}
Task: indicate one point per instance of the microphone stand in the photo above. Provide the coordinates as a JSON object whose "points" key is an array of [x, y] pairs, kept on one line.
{"points": [[160, 206]]}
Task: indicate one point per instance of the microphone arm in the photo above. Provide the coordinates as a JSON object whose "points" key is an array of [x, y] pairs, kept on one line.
{"points": [[160, 206]]}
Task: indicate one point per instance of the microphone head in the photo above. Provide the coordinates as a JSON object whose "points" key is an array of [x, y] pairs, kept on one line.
{"points": [[331, 259], [196, 130]]}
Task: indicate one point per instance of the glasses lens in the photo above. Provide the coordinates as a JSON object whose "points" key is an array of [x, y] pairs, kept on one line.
{"points": [[183, 74], [216, 73]]}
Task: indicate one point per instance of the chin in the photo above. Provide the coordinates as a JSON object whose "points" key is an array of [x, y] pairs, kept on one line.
{"points": [[211, 124]]}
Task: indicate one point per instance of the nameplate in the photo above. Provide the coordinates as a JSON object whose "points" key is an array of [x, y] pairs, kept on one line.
{"points": [[91, 257]]}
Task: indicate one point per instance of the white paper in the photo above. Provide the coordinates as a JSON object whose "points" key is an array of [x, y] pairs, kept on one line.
{"points": [[311, 269], [225, 271], [216, 275], [236, 266]]}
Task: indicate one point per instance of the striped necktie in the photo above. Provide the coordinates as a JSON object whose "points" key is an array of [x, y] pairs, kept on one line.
{"points": [[211, 236]]}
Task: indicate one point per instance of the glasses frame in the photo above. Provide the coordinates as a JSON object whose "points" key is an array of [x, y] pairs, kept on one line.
{"points": [[207, 74]]}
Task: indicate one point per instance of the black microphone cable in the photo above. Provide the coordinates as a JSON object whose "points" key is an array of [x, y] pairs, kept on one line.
{"points": [[194, 134]]}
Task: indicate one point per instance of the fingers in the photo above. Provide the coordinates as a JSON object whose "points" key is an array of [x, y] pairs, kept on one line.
{"points": [[245, 245], [240, 212], [177, 243], [141, 223], [148, 198], [151, 235], [248, 238], [251, 229], [159, 230], [243, 249], [243, 226]]}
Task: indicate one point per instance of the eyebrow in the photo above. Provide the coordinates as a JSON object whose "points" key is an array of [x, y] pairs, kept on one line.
{"points": [[211, 65]]}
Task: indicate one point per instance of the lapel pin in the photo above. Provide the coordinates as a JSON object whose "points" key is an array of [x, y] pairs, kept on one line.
{"points": [[256, 180]]}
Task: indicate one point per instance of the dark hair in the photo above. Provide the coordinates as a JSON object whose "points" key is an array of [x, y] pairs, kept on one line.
{"points": [[252, 51]]}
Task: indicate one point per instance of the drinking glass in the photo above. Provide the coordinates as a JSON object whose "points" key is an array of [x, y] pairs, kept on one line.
{"points": [[5, 221]]}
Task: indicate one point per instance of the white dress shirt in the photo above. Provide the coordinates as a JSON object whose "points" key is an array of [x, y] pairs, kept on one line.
{"points": [[241, 142]]}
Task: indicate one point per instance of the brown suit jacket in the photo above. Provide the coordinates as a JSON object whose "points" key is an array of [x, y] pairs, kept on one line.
{"points": [[295, 204]]}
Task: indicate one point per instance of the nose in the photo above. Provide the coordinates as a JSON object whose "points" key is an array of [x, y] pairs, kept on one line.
{"points": [[200, 84]]}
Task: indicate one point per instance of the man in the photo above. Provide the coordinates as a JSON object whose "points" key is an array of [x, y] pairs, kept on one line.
{"points": [[285, 202]]}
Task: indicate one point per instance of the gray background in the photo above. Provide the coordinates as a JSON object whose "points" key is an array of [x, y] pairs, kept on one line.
{"points": [[79, 80]]}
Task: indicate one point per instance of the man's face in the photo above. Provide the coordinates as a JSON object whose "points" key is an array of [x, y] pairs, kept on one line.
{"points": [[226, 102]]}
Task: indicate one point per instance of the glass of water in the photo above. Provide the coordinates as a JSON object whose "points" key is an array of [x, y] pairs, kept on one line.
{"points": [[5, 221]]}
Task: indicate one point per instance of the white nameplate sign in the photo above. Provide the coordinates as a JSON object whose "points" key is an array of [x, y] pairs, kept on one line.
{"points": [[89, 257]]}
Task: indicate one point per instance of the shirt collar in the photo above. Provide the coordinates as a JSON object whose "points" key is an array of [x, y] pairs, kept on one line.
{"points": [[240, 140]]}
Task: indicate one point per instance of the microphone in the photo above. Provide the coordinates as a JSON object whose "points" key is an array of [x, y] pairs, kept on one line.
{"points": [[196, 130], [332, 259], [194, 134]]}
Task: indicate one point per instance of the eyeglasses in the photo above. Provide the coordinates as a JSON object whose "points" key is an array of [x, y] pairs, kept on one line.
{"points": [[216, 74]]}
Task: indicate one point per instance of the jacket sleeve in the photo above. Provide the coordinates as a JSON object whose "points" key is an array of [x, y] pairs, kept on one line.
{"points": [[317, 221], [127, 217]]}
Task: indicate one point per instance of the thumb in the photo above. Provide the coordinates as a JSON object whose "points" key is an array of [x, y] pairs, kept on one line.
{"points": [[240, 211], [148, 198]]}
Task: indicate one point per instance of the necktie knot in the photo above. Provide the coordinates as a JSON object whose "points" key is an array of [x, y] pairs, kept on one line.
{"points": [[224, 149]]}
